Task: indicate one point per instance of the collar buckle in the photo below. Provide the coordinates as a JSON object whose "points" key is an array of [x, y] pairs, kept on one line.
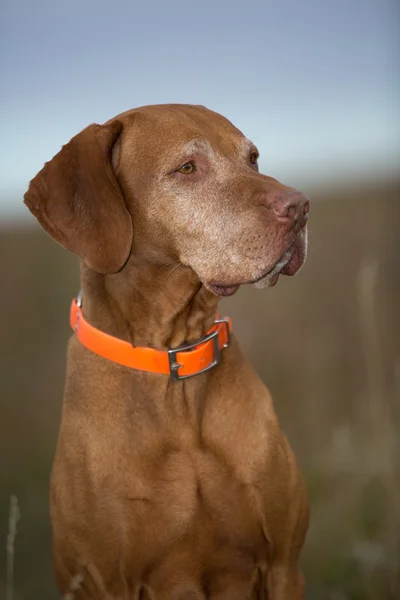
{"points": [[174, 365]]}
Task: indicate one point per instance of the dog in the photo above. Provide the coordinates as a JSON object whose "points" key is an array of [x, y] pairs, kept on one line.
{"points": [[172, 479]]}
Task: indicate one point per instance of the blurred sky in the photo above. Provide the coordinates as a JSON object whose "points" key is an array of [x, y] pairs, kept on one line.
{"points": [[313, 82]]}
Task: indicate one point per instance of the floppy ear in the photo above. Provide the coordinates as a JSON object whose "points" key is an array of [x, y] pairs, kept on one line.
{"points": [[77, 200]]}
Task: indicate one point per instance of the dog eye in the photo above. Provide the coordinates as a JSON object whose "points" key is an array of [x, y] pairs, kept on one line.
{"points": [[253, 158], [187, 168]]}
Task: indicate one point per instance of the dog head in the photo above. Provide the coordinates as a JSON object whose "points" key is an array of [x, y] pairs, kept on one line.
{"points": [[172, 183]]}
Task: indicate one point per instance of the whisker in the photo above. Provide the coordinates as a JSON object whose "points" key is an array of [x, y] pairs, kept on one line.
{"points": [[175, 262], [174, 269]]}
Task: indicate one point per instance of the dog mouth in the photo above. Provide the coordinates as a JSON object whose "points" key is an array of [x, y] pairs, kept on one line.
{"points": [[270, 279], [223, 290], [289, 263], [267, 279]]}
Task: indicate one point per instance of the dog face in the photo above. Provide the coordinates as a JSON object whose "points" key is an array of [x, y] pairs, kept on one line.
{"points": [[172, 183]]}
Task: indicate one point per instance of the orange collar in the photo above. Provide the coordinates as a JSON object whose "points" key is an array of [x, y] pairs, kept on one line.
{"points": [[186, 361]]}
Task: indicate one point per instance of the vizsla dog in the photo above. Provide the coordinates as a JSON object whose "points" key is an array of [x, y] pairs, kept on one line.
{"points": [[172, 478]]}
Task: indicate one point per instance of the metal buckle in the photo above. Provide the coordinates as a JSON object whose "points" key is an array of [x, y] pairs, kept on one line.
{"points": [[78, 299], [225, 321], [174, 365]]}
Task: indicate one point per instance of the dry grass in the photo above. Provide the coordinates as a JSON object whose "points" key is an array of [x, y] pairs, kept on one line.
{"points": [[358, 476], [74, 586], [13, 518]]}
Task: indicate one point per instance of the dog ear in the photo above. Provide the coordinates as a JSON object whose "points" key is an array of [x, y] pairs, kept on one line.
{"points": [[77, 200]]}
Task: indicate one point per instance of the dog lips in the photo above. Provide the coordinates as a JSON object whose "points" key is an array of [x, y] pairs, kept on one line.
{"points": [[220, 290]]}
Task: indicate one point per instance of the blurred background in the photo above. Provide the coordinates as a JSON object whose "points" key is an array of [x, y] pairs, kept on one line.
{"points": [[315, 85]]}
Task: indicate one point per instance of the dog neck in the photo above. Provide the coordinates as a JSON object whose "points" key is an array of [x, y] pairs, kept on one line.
{"points": [[158, 306]]}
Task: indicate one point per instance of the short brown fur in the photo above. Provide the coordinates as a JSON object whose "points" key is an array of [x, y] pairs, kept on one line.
{"points": [[166, 490]]}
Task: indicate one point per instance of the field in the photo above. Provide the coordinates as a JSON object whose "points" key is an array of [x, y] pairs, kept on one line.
{"points": [[327, 343]]}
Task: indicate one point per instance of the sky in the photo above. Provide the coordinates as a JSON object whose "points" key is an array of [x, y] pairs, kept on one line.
{"points": [[314, 83]]}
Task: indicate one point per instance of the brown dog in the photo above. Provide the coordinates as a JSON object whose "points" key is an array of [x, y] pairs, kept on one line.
{"points": [[169, 489]]}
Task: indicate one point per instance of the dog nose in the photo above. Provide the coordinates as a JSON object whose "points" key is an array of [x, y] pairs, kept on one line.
{"points": [[291, 206]]}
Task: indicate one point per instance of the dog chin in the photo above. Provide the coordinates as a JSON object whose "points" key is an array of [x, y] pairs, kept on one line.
{"points": [[266, 282], [289, 264], [271, 278]]}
